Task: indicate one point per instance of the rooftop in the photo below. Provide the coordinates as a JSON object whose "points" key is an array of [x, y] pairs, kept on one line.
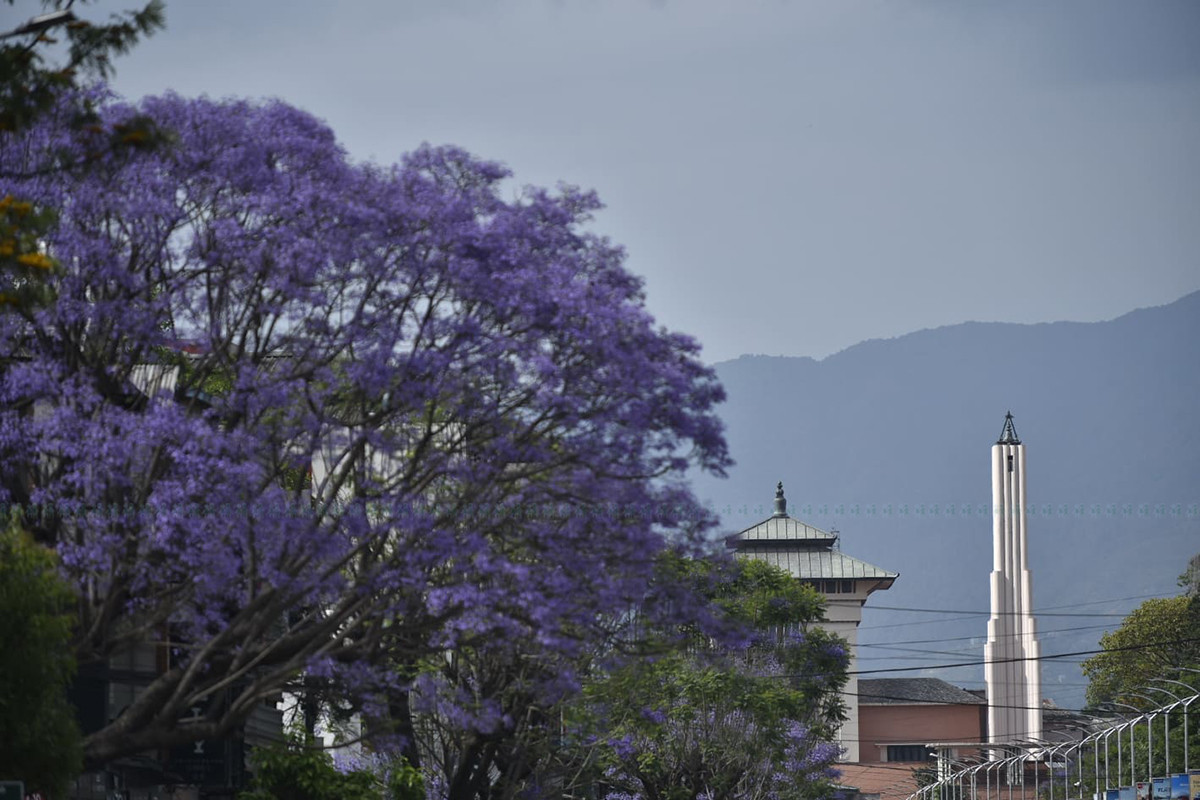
{"points": [[913, 691], [804, 550], [817, 563]]}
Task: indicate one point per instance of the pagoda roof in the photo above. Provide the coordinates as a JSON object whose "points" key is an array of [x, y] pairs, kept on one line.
{"points": [[780, 528], [809, 564], [803, 550], [783, 529]]}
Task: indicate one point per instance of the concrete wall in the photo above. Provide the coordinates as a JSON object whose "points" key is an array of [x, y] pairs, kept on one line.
{"points": [[843, 614]]}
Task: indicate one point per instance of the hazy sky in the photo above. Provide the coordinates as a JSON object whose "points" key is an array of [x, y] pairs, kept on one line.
{"points": [[789, 177]]}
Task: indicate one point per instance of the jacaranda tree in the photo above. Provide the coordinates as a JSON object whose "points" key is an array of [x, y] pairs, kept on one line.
{"points": [[301, 423]]}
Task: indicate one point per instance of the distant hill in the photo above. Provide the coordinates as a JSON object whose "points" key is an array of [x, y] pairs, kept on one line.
{"points": [[889, 441]]}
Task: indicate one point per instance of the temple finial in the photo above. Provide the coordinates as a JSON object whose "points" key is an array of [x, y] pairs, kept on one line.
{"points": [[780, 501], [1009, 434]]}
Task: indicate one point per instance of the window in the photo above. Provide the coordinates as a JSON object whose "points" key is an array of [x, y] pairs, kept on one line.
{"points": [[831, 586], [909, 752], [1010, 464]]}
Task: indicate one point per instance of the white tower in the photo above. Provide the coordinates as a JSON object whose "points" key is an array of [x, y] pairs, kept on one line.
{"points": [[1012, 668]]}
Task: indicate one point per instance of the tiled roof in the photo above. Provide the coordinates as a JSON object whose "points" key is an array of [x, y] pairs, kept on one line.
{"points": [[913, 691], [816, 563]]}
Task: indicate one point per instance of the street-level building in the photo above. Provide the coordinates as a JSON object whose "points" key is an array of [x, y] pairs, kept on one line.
{"points": [[912, 719]]}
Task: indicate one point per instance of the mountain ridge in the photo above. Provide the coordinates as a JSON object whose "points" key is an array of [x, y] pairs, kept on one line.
{"points": [[1187, 300]]}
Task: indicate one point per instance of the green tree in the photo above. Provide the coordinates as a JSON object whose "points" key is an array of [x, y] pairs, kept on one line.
{"points": [[301, 769], [1144, 663], [1155, 640], [1190, 579], [747, 722], [39, 739], [31, 83]]}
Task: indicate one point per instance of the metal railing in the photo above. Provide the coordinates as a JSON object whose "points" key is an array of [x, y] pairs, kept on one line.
{"points": [[1006, 773]]}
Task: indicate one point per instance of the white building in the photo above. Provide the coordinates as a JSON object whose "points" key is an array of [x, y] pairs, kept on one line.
{"points": [[812, 555]]}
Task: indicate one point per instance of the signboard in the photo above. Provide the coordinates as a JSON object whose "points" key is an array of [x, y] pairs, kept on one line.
{"points": [[1127, 793], [1142, 790], [12, 790], [201, 763], [212, 762], [1194, 791], [1180, 789]]}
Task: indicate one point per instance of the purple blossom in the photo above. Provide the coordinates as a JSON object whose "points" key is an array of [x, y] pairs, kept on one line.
{"points": [[348, 359]]}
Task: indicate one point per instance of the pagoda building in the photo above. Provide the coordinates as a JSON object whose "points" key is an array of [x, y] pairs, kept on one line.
{"points": [[812, 556]]}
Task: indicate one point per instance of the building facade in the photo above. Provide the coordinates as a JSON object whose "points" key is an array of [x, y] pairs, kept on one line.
{"points": [[813, 556], [909, 719]]}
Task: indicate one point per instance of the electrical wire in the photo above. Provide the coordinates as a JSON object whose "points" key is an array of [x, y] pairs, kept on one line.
{"points": [[927, 702], [972, 613], [969, 638], [991, 613], [984, 662], [1054, 657]]}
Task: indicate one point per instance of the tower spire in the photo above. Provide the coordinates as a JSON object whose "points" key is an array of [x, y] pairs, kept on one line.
{"points": [[1009, 434]]}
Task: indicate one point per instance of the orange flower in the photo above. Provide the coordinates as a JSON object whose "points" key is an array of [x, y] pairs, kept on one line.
{"points": [[35, 260]]}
